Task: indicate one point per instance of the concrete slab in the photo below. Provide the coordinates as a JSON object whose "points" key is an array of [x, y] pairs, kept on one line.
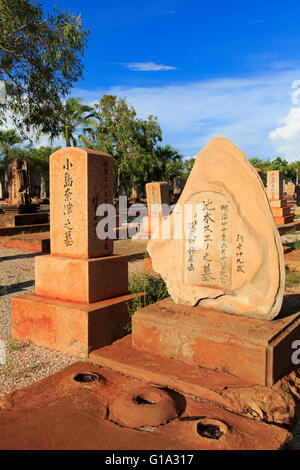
{"points": [[286, 227], [24, 229], [33, 242]]}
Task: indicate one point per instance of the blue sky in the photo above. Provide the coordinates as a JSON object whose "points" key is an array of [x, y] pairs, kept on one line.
{"points": [[203, 67]]}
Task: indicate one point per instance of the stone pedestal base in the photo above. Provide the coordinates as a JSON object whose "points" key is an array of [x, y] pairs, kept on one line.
{"points": [[287, 219], [34, 242], [281, 211], [19, 208], [81, 280], [10, 219], [69, 327], [278, 203], [259, 351]]}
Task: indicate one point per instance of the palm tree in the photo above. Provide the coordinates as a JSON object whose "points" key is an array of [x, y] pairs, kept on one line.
{"points": [[8, 139], [71, 116], [166, 154]]}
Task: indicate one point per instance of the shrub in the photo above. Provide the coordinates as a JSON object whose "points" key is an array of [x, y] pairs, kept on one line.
{"points": [[291, 278], [154, 288]]}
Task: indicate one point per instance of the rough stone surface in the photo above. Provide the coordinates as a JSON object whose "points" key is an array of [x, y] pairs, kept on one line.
{"points": [[157, 195], [75, 409], [290, 190], [69, 327], [80, 180], [81, 280], [278, 403], [230, 257], [275, 184], [33, 242]]}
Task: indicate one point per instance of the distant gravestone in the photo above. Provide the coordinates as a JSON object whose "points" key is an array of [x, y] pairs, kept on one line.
{"points": [[43, 194], [277, 198], [275, 185], [122, 190], [158, 205], [19, 183], [225, 251], [178, 185], [134, 193], [157, 198], [290, 190]]}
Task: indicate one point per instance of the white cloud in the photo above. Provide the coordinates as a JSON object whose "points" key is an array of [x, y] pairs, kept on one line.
{"points": [[147, 66], [286, 139], [245, 110], [256, 21]]}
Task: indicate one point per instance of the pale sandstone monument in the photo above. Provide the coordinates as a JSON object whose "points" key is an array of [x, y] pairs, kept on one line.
{"points": [[81, 288], [226, 251], [280, 210], [158, 204], [224, 270], [291, 190]]}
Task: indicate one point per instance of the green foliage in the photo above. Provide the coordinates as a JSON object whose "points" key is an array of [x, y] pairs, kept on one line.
{"points": [[168, 158], [288, 169], [40, 59], [116, 129], [291, 231], [70, 116], [296, 245], [132, 307], [37, 159], [154, 288], [291, 278], [188, 165], [14, 345]]}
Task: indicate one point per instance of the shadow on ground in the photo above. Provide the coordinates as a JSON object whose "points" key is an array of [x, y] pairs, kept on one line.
{"points": [[18, 287], [29, 255]]}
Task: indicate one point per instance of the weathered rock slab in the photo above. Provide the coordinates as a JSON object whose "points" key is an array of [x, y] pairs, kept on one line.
{"points": [[224, 250]]}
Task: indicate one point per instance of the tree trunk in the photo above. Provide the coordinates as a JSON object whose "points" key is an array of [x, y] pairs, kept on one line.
{"points": [[5, 152]]}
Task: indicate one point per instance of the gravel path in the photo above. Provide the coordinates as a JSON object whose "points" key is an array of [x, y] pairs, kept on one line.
{"points": [[25, 363]]}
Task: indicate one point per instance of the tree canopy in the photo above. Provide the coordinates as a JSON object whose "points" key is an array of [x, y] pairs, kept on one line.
{"points": [[288, 169], [40, 59], [116, 129]]}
